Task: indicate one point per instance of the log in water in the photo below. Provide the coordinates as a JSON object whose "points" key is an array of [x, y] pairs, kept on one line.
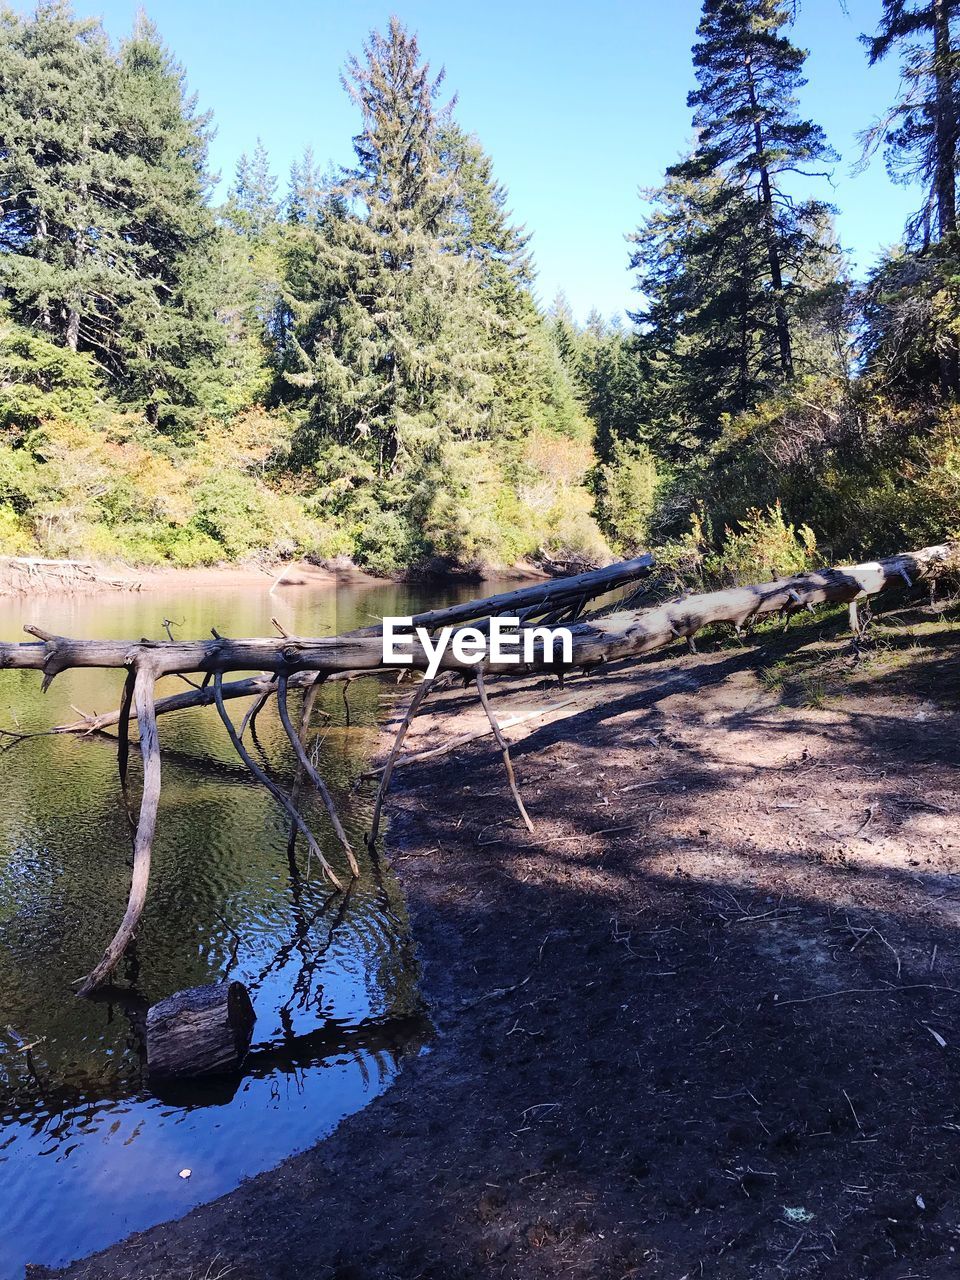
{"points": [[204, 1031]]}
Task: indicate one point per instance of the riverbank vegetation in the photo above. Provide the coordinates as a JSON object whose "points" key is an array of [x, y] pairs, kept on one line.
{"points": [[355, 364]]}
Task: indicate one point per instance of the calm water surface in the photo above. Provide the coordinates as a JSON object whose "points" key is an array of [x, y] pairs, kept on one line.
{"points": [[87, 1152]]}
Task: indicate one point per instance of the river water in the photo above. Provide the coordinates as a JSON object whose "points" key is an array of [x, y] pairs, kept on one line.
{"points": [[87, 1152]]}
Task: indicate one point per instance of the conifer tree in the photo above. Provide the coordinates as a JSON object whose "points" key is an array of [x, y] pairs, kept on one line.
{"points": [[64, 253], [921, 132], [107, 242], [708, 329], [389, 325], [749, 129], [531, 386], [482, 225], [251, 202], [169, 342], [305, 190]]}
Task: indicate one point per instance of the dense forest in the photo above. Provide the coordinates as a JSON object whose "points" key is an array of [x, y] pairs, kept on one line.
{"points": [[353, 363]]}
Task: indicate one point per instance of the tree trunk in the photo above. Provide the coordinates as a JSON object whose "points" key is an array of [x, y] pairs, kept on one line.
{"points": [[770, 233], [946, 159], [204, 1031], [73, 328], [946, 120]]}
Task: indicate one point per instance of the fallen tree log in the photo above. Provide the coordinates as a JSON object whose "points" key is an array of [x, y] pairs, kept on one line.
{"points": [[595, 641], [204, 1031], [288, 662]]}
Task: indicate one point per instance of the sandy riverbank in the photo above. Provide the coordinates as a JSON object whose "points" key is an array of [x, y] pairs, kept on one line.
{"points": [[702, 1022], [25, 577]]}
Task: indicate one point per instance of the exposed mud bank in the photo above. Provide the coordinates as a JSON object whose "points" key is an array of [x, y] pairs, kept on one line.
{"points": [[23, 576]]}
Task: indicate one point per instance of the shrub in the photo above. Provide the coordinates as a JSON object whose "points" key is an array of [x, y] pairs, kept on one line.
{"points": [[41, 382], [383, 543], [229, 509], [626, 495], [763, 546]]}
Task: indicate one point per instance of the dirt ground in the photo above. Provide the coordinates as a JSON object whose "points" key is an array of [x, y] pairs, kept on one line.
{"points": [[704, 1022]]}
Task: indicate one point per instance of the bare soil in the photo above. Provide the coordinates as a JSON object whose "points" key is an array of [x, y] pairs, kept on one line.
{"points": [[704, 1022]]}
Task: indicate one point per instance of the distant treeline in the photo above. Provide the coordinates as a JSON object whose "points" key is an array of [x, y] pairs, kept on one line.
{"points": [[354, 364]]}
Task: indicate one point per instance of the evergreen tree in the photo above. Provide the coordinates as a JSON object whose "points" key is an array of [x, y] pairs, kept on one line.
{"points": [[921, 132], [251, 202], [107, 242], [708, 330], [531, 386], [745, 111], [614, 376], [305, 190], [563, 330], [483, 230], [65, 257], [169, 343], [390, 328]]}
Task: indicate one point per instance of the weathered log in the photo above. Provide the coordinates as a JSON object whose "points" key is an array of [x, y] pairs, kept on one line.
{"points": [[30, 574], [204, 1031], [624, 634], [541, 597], [627, 633]]}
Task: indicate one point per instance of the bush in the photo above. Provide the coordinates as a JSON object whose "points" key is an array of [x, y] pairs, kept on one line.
{"points": [[627, 494], [41, 382], [229, 509], [763, 546], [15, 540], [383, 543]]}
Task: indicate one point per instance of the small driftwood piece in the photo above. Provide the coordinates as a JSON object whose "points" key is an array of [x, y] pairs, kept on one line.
{"points": [[504, 749], [204, 1031], [421, 691]]}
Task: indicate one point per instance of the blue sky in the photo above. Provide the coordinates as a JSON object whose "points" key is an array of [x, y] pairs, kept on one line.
{"points": [[580, 105]]}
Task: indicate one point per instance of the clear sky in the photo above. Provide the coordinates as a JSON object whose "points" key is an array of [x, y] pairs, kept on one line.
{"points": [[580, 105]]}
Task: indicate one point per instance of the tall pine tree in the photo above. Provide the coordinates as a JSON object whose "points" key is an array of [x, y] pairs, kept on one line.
{"points": [[106, 238], [65, 256], [749, 129], [389, 324], [921, 133], [169, 343]]}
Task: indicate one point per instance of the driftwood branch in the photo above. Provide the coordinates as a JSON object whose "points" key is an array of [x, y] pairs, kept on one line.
{"points": [[416, 701], [307, 767], [505, 750], [146, 826], [265, 780]]}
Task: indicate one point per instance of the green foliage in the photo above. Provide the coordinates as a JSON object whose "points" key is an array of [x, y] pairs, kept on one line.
{"points": [[384, 543], [626, 495], [763, 545], [911, 306], [40, 381]]}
